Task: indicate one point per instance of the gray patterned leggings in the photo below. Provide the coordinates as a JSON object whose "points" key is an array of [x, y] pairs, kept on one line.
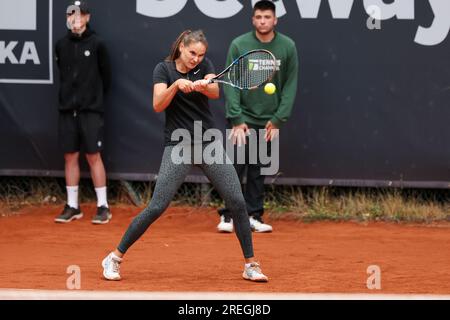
{"points": [[222, 176]]}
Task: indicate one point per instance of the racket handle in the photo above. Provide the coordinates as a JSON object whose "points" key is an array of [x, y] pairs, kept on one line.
{"points": [[211, 81]]}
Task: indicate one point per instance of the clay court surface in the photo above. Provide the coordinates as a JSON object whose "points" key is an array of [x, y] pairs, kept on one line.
{"points": [[182, 252]]}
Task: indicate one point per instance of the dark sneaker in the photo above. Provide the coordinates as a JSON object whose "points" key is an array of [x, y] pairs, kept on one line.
{"points": [[69, 214], [103, 215]]}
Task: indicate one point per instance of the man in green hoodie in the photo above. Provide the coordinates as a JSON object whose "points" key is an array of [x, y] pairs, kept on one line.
{"points": [[255, 109]]}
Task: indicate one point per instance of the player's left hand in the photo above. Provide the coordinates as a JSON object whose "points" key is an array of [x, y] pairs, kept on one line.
{"points": [[272, 131], [200, 85]]}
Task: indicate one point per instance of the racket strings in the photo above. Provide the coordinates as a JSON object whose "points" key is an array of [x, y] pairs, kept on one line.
{"points": [[252, 70]]}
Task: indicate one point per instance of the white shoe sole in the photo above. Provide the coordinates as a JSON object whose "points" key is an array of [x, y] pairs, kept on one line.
{"points": [[255, 229], [225, 227], [244, 275], [75, 217], [261, 231], [104, 272], [102, 222]]}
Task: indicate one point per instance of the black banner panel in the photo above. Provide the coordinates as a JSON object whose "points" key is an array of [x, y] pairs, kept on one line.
{"points": [[372, 105]]}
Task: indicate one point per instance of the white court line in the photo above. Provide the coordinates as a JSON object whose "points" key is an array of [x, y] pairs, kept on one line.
{"points": [[30, 294]]}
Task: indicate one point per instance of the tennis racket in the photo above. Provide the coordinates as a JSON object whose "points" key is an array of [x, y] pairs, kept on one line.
{"points": [[249, 71]]}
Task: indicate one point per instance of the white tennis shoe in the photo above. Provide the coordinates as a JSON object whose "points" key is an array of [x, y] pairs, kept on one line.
{"points": [[259, 226], [225, 225], [254, 273], [111, 267]]}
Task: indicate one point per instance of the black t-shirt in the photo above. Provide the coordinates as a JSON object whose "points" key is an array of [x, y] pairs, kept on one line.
{"points": [[185, 108]]}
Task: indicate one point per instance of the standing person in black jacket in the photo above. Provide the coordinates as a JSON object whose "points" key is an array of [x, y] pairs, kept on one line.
{"points": [[85, 77]]}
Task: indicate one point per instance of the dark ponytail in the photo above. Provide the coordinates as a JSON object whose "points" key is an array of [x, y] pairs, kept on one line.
{"points": [[187, 37]]}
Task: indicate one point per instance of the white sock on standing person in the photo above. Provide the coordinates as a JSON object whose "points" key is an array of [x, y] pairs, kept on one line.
{"points": [[72, 196], [101, 197]]}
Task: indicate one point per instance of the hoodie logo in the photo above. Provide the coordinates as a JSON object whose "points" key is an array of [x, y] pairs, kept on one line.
{"points": [[87, 53]]}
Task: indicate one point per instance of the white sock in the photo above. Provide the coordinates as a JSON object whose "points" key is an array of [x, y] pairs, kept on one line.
{"points": [[72, 196], [101, 197], [116, 257], [247, 265]]}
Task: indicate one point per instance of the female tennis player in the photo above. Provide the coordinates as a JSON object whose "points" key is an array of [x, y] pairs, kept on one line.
{"points": [[182, 91]]}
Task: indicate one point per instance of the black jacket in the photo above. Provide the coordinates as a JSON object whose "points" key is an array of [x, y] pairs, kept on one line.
{"points": [[85, 72]]}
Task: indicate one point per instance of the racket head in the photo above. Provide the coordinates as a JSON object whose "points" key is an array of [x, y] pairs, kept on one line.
{"points": [[251, 70]]}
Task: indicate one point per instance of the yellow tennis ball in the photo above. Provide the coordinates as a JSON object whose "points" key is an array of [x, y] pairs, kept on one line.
{"points": [[270, 88]]}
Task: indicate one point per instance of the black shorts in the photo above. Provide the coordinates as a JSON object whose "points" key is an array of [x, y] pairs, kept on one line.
{"points": [[81, 131]]}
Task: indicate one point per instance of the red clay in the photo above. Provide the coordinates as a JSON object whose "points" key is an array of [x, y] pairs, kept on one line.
{"points": [[183, 252]]}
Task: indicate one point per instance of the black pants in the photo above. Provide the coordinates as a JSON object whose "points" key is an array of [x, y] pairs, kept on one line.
{"points": [[251, 179], [170, 177]]}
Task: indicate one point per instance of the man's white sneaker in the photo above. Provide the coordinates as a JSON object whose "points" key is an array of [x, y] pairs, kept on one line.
{"points": [[111, 267], [225, 225], [254, 273], [259, 226]]}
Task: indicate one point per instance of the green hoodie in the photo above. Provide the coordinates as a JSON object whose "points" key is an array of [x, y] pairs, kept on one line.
{"points": [[255, 106]]}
